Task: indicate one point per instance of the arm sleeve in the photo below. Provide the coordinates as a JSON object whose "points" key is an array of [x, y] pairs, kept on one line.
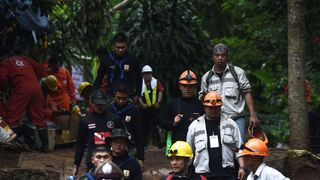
{"points": [[137, 71], [81, 142], [243, 80], [38, 69], [4, 77], [71, 88], [138, 136], [190, 140], [137, 172], [100, 74], [166, 119], [204, 85]]}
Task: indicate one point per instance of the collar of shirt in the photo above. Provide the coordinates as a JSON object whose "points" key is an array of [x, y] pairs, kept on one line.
{"points": [[259, 170], [227, 68]]}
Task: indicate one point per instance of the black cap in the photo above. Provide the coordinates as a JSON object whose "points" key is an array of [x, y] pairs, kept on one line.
{"points": [[119, 133], [99, 97]]}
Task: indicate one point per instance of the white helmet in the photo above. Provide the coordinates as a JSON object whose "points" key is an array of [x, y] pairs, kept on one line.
{"points": [[146, 68]]}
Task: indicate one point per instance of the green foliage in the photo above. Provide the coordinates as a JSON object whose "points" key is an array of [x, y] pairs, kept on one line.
{"points": [[165, 35]]}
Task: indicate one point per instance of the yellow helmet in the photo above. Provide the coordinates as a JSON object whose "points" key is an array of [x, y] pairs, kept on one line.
{"points": [[180, 148], [76, 110], [51, 82], [82, 86]]}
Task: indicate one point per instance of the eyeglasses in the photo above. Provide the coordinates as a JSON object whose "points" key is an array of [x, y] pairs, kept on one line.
{"points": [[175, 151], [243, 146], [213, 101]]}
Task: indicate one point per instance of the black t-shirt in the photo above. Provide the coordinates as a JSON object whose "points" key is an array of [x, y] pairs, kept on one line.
{"points": [[215, 154]]}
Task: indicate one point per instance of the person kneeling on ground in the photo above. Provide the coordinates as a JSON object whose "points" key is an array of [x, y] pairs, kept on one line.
{"points": [[253, 153], [100, 155], [180, 154]]}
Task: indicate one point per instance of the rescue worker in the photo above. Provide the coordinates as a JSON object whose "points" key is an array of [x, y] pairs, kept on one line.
{"points": [[119, 143], [232, 85], [180, 154], [213, 139], [149, 101], [94, 127], [108, 170], [181, 111], [65, 95], [130, 121], [253, 153], [119, 66], [100, 155], [85, 89], [19, 77]]}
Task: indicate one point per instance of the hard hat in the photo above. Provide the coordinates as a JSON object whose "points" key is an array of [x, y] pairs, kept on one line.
{"points": [[76, 110], [212, 99], [254, 147], [51, 82], [146, 68], [188, 77], [108, 170], [180, 148], [258, 133], [82, 86]]}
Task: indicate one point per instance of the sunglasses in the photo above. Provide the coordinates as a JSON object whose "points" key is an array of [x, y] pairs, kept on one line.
{"points": [[213, 101]]}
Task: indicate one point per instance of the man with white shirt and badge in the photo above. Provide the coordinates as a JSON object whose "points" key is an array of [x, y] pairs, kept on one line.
{"points": [[214, 140]]}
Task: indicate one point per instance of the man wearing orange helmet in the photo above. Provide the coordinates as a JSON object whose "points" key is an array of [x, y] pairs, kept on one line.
{"points": [[213, 139], [253, 153], [181, 111], [232, 85]]}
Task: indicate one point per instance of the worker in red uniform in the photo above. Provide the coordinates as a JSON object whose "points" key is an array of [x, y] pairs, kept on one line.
{"points": [[20, 77], [60, 100]]}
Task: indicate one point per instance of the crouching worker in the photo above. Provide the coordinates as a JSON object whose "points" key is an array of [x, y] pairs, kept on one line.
{"points": [[180, 154], [108, 170], [100, 155], [253, 153]]}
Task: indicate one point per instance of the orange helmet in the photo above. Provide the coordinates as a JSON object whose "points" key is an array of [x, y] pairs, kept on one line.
{"points": [[254, 147], [188, 77], [212, 99], [258, 133]]}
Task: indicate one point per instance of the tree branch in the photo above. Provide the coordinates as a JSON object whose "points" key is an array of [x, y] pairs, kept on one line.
{"points": [[119, 6]]}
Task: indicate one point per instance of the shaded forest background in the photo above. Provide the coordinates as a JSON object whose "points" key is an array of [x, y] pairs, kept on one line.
{"points": [[172, 35]]}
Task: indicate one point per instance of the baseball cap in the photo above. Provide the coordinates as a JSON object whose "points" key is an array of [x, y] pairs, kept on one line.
{"points": [[99, 97]]}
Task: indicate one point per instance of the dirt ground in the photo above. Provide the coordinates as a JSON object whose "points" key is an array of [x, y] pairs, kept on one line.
{"points": [[58, 163]]}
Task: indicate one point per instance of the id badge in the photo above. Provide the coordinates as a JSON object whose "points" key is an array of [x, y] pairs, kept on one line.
{"points": [[214, 141]]}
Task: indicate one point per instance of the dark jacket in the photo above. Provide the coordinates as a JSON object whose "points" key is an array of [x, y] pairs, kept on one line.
{"points": [[131, 121], [91, 123], [180, 176], [180, 105], [129, 166], [114, 68]]}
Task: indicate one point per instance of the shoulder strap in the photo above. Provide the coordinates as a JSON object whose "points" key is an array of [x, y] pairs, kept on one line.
{"points": [[89, 176], [169, 176], [234, 75], [209, 77]]}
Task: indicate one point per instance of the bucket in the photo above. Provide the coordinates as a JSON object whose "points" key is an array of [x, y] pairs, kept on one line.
{"points": [[51, 138], [6, 133]]}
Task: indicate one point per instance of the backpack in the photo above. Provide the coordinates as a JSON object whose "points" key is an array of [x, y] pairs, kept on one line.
{"points": [[233, 73]]}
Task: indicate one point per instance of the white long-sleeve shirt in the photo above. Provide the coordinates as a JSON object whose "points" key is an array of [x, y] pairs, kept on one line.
{"points": [[265, 172]]}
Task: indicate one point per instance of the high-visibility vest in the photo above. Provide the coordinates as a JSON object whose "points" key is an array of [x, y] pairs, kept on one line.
{"points": [[154, 95]]}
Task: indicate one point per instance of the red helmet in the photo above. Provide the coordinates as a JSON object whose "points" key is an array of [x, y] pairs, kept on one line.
{"points": [[188, 77]]}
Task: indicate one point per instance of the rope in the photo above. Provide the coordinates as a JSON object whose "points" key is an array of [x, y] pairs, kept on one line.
{"points": [[299, 153]]}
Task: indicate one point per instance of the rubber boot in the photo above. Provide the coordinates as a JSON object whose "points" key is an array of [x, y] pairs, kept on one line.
{"points": [[43, 134], [18, 143]]}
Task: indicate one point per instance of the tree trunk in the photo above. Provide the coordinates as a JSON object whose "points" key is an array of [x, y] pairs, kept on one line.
{"points": [[299, 127]]}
